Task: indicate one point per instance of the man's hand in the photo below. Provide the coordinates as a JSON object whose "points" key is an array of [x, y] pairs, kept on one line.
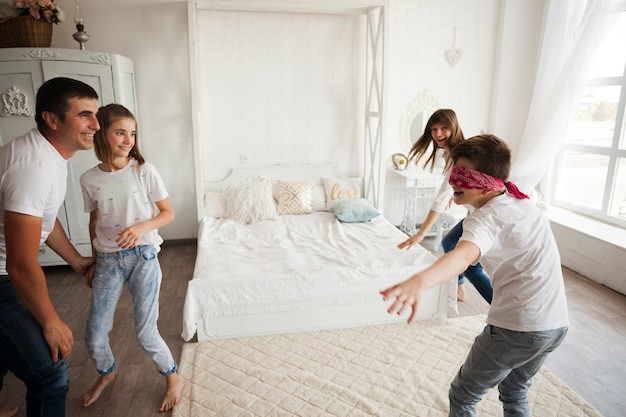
{"points": [[82, 264], [60, 339], [89, 275]]}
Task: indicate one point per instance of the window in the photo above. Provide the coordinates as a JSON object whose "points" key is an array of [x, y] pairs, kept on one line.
{"points": [[589, 175]]}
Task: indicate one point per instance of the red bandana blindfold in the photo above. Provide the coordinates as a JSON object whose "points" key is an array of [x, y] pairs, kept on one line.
{"points": [[471, 179]]}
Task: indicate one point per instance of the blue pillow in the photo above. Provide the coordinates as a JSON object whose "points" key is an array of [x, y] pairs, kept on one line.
{"points": [[354, 210]]}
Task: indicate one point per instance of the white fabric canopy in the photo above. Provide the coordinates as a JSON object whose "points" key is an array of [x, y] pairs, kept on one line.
{"points": [[572, 30]]}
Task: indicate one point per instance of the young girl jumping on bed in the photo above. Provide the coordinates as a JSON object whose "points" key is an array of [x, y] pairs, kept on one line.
{"points": [[127, 202], [443, 132]]}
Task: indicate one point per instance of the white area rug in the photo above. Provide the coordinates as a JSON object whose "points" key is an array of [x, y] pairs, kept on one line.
{"points": [[392, 370]]}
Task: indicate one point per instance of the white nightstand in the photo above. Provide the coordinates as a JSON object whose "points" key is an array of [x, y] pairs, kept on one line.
{"points": [[420, 184], [423, 184]]}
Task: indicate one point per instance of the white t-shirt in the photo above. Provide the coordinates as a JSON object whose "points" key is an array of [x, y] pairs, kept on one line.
{"points": [[443, 199], [33, 180], [519, 253], [124, 198], [444, 195]]}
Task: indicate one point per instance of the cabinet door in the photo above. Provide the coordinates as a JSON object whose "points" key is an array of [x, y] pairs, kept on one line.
{"points": [[101, 79], [19, 81]]}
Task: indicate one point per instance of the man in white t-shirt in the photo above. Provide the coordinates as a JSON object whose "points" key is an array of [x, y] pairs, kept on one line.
{"points": [[34, 341], [512, 239]]}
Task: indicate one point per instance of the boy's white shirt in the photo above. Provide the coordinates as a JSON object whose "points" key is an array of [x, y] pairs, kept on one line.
{"points": [[519, 253], [124, 198]]}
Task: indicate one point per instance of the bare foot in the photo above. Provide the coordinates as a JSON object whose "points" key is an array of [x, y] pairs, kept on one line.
{"points": [[460, 292], [175, 385], [8, 411], [94, 392]]}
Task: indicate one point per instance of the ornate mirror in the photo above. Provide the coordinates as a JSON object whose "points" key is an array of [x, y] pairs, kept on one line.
{"points": [[415, 117]]}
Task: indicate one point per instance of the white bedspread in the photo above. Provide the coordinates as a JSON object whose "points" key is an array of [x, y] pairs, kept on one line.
{"points": [[293, 263]]}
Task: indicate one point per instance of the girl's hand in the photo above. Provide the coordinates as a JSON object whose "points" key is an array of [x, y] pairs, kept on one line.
{"points": [[129, 237], [416, 238], [450, 203]]}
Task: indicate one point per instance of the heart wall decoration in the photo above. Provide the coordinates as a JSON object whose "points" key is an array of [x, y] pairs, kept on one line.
{"points": [[453, 55]]}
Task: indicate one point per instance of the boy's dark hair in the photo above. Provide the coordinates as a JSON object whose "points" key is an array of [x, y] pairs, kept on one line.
{"points": [[53, 96], [489, 154]]}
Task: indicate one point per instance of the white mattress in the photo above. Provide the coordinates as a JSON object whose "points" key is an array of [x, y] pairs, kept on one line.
{"points": [[293, 263]]}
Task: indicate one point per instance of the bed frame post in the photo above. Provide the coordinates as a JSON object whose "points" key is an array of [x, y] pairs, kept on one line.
{"points": [[374, 79]]}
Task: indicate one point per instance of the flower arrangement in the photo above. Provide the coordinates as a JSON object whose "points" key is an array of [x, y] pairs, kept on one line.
{"points": [[47, 10]]}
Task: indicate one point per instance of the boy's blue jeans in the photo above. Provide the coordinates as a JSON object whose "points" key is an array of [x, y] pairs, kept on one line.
{"points": [[24, 351], [474, 273], [504, 358], [139, 267]]}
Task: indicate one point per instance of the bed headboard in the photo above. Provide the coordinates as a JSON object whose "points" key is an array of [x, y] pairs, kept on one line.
{"points": [[307, 172]]}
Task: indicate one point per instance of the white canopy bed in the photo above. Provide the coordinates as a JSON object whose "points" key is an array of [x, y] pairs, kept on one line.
{"points": [[263, 270]]}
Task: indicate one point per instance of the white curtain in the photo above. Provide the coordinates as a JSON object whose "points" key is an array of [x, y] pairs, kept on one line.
{"points": [[571, 31]]}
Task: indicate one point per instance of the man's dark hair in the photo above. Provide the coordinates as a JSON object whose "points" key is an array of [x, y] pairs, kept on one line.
{"points": [[54, 95]]}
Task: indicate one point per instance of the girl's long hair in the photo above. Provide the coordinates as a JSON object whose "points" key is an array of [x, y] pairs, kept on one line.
{"points": [[108, 115], [444, 117]]}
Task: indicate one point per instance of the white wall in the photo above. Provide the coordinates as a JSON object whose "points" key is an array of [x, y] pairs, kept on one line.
{"points": [[420, 32], [489, 88], [597, 251], [280, 88], [154, 34]]}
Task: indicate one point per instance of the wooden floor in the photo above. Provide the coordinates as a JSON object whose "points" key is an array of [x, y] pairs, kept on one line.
{"points": [[592, 360]]}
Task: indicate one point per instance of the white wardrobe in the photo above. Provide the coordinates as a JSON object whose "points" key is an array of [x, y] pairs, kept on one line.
{"points": [[22, 71]]}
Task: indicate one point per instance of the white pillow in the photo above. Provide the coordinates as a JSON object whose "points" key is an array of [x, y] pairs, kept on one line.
{"points": [[338, 189], [250, 201], [214, 204], [319, 198], [295, 197]]}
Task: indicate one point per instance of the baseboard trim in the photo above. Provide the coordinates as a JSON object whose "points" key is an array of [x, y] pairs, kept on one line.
{"points": [[179, 242]]}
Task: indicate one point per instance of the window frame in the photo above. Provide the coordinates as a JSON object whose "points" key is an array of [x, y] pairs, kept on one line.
{"points": [[613, 152]]}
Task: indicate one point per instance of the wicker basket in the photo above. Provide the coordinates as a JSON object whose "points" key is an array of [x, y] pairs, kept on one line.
{"points": [[25, 31]]}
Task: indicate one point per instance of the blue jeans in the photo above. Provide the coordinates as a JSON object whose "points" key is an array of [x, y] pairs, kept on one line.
{"points": [[139, 268], [24, 351], [504, 358], [474, 273]]}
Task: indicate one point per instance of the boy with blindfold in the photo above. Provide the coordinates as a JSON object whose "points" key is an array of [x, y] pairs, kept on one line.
{"points": [[511, 237]]}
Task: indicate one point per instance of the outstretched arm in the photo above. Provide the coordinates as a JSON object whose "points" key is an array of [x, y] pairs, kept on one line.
{"points": [[428, 224], [408, 294]]}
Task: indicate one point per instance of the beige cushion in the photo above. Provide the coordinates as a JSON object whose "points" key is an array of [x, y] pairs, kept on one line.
{"points": [[295, 197], [338, 189]]}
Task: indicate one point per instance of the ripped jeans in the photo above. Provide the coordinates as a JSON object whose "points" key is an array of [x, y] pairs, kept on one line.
{"points": [[139, 268]]}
